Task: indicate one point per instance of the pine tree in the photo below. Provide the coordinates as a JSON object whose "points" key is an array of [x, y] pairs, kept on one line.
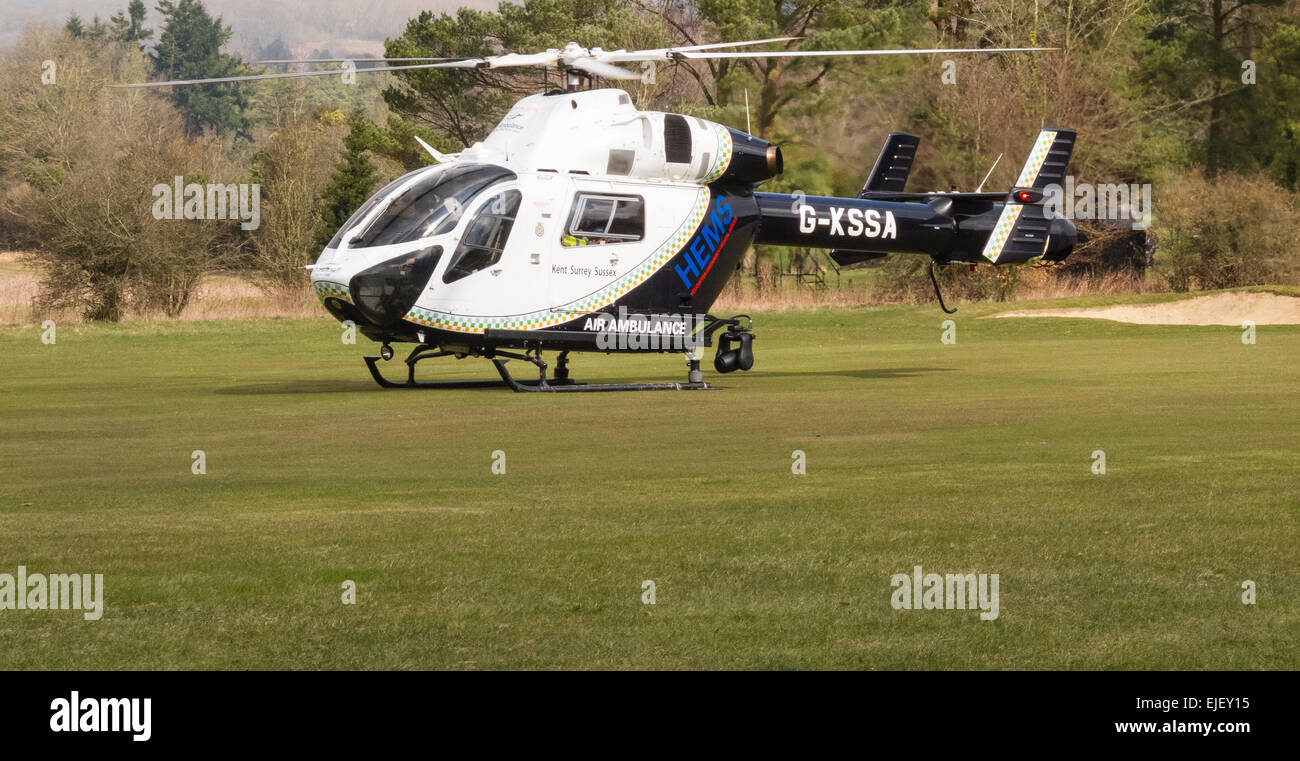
{"points": [[189, 47], [352, 183], [1194, 56], [129, 26]]}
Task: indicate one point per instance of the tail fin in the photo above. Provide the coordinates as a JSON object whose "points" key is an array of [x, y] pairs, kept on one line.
{"points": [[1049, 158], [1022, 231], [892, 165]]}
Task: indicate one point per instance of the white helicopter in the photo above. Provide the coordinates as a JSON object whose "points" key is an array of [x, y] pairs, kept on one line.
{"points": [[584, 224]]}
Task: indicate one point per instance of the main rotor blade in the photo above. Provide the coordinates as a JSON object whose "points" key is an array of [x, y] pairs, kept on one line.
{"points": [[598, 64], [505, 60], [813, 53], [344, 60], [654, 54], [469, 63], [601, 69]]}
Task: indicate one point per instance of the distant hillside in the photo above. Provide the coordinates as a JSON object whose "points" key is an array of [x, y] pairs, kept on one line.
{"points": [[340, 26]]}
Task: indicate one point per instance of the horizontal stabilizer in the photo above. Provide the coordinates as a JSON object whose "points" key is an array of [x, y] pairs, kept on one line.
{"points": [[846, 258], [1020, 234]]}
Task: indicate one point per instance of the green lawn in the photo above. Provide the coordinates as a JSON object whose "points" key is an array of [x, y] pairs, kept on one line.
{"points": [[971, 457]]}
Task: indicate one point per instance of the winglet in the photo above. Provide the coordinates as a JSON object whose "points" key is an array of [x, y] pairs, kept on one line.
{"points": [[438, 156]]}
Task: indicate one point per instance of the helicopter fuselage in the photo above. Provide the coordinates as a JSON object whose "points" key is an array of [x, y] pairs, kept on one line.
{"points": [[579, 205]]}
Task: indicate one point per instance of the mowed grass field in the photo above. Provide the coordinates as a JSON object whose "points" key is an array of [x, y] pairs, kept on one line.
{"points": [[973, 457]]}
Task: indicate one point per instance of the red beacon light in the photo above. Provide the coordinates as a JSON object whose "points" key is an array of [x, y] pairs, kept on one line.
{"points": [[1025, 195]]}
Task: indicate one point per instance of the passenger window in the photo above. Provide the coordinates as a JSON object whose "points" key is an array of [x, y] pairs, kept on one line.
{"points": [[485, 238], [601, 219]]}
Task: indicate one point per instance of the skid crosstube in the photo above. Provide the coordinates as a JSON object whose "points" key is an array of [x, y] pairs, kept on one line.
{"points": [[569, 385]]}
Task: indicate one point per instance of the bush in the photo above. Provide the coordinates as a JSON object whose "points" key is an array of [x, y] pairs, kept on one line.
{"points": [[91, 156], [293, 169], [1227, 232], [905, 278]]}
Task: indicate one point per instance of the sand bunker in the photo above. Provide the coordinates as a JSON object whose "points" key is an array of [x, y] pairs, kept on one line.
{"points": [[1217, 309]]}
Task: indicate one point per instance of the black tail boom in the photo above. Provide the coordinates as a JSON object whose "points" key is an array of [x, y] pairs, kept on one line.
{"points": [[999, 227]]}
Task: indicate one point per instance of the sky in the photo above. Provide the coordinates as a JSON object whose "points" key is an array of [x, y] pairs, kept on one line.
{"points": [[344, 27]]}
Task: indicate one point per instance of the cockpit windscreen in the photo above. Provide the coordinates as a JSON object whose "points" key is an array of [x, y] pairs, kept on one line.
{"points": [[431, 206]]}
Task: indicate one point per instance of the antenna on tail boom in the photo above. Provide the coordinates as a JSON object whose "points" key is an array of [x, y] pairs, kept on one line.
{"points": [[990, 174]]}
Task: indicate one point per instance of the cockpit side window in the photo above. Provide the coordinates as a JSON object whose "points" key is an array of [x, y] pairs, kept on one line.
{"points": [[598, 219], [484, 240], [431, 206]]}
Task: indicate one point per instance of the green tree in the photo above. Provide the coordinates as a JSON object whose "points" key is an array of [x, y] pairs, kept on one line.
{"points": [[189, 47], [97, 30], [353, 181], [276, 50], [1193, 60], [129, 26], [1279, 72]]}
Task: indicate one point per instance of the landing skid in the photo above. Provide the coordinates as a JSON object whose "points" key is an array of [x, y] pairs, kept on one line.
{"points": [[422, 352], [561, 382]]}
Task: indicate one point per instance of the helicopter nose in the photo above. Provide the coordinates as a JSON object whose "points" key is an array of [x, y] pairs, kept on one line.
{"points": [[386, 291]]}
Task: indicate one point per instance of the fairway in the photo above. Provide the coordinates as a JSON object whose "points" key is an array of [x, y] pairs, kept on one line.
{"points": [[972, 457]]}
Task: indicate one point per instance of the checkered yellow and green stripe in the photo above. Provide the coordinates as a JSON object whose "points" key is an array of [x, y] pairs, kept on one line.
{"points": [[325, 290], [550, 317], [724, 154], [1034, 164], [1002, 231]]}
